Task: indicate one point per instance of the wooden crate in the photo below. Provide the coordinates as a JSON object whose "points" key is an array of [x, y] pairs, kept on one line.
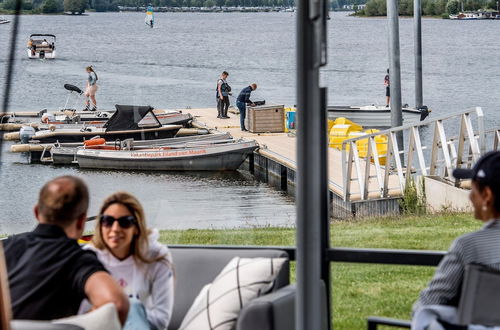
{"points": [[266, 118]]}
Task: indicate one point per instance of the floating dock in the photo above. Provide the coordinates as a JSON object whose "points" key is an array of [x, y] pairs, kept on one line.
{"points": [[275, 163]]}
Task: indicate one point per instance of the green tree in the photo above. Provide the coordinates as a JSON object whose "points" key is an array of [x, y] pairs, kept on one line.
{"points": [[101, 5], [74, 6], [452, 7], [406, 7], [429, 8], [209, 3], [11, 5], [50, 6]]}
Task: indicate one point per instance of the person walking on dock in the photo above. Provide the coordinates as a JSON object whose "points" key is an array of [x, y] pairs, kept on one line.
{"points": [[223, 91], [242, 101], [387, 84], [91, 89]]}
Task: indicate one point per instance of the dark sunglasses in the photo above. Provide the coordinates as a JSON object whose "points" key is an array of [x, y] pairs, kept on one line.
{"points": [[124, 222]]}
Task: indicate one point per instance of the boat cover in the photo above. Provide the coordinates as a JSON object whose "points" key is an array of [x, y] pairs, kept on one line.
{"points": [[127, 117]]}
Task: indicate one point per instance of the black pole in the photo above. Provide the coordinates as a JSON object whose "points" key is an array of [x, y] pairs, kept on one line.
{"points": [[311, 165], [10, 63]]}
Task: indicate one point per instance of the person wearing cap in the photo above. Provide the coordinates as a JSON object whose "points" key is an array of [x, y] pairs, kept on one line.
{"points": [[480, 247]]}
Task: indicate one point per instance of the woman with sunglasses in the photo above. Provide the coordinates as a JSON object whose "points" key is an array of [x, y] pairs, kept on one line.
{"points": [[138, 262]]}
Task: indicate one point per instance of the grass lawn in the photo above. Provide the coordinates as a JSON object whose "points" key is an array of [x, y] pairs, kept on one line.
{"points": [[359, 290]]}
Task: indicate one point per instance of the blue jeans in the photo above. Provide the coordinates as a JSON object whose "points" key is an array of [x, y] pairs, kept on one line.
{"points": [[136, 319], [243, 111]]}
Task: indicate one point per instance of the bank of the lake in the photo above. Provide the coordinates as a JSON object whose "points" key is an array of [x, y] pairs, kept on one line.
{"points": [[359, 290]]}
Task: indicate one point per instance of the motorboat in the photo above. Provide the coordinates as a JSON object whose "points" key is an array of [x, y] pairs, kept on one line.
{"points": [[42, 46], [376, 116], [4, 21], [123, 124], [203, 156], [64, 153]]}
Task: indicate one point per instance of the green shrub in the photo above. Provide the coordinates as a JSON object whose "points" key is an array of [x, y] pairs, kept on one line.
{"points": [[413, 201]]}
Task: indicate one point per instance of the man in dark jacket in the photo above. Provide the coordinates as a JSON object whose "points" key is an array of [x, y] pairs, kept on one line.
{"points": [[49, 273], [242, 101]]}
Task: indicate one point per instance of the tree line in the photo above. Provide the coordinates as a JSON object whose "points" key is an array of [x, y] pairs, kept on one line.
{"points": [[429, 7], [79, 6]]}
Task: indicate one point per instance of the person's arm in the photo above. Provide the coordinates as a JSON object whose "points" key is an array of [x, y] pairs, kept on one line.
{"points": [[219, 88], [444, 288], [101, 288], [162, 294], [247, 96]]}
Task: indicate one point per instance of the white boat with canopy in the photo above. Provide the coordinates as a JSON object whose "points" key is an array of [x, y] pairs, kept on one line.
{"points": [[42, 46]]}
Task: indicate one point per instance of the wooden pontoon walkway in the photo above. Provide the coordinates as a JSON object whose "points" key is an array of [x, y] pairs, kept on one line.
{"points": [[281, 148]]}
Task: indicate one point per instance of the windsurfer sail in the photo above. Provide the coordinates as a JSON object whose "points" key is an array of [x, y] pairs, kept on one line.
{"points": [[149, 20]]}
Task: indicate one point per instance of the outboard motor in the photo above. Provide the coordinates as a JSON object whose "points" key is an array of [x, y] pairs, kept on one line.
{"points": [[41, 54], [424, 112], [26, 133]]}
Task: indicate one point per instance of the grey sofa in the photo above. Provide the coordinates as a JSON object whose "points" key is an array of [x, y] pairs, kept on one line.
{"points": [[196, 267]]}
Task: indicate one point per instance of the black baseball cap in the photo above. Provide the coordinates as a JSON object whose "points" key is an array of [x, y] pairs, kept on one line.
{"points": [[486, 170]]}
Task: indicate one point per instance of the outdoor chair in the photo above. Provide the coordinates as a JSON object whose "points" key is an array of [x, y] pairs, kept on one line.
{"points": [[479, 300], [195, 267]]}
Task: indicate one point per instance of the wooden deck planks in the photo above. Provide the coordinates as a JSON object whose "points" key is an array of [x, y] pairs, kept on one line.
{"points": [[282, 148]]}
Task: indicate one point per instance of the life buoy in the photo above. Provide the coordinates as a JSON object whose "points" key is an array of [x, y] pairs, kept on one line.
{"points": [[94, 142]]}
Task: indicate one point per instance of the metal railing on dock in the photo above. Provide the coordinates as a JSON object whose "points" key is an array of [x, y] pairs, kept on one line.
{"points": [[453, 141]]}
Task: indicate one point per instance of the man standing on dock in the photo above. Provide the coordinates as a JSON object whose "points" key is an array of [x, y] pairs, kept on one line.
{"points": [[387, 84], [223, 91], [242, 101]]}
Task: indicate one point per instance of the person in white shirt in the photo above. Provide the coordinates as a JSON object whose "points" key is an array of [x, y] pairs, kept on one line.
{"points": [[136, 260]]}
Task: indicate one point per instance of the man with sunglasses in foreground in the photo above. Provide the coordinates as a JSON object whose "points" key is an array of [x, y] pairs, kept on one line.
{"points": [[49, 274]]}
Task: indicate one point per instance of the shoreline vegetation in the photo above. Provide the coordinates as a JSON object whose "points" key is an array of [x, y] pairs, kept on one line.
{"points": [[359, 290], [430, 8]]}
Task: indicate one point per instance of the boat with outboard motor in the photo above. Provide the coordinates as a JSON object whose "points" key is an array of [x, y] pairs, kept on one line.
{"points": [[41, 48], [376, 116], [203, 156], [64, 153], [123, 124]]}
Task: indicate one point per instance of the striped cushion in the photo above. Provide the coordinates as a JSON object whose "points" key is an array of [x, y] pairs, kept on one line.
{"points": [[219, 303]]}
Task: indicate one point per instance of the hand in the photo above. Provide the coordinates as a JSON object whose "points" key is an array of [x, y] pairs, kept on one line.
{"points": [[221, 97]]}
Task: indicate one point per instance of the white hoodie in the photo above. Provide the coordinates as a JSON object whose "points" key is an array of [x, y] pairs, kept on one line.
{"points": [[152, 284]]}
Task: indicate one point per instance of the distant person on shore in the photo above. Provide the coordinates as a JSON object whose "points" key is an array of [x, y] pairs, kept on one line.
{"points": [[137, 261], [91, 90], [223, 91], [387, 84], [49, 273], [481, 247], [242, 101]]}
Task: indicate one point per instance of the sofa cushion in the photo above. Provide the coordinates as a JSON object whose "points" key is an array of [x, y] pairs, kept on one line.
{"points": [[219, 303], [274, 311], [195, 267], [102, 318], [41, 325]]}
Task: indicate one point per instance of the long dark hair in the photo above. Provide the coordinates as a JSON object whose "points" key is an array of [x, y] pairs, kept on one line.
{"points": [[91, 69]]}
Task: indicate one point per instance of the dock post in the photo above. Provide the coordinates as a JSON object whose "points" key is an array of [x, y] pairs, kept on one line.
{"points": [[395, 68], [417, 17], [312, 171]]}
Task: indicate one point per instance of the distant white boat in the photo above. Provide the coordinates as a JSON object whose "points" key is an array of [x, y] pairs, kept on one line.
{"points": [[41, 48], [473, 15], [375, 116], [4, 21]]}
